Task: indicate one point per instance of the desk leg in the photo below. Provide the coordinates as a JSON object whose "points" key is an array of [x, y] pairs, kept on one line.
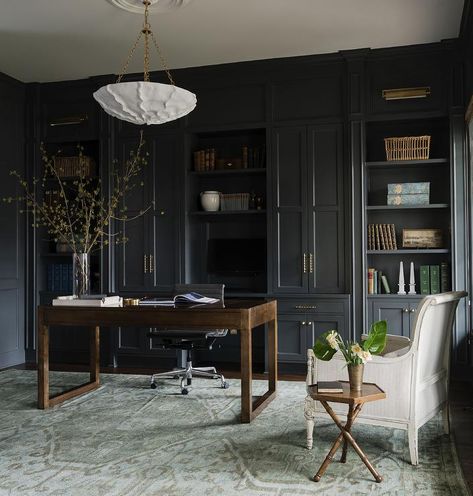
{"points": [[94, 346], [43, 363], [273, 354], [246, 374]]}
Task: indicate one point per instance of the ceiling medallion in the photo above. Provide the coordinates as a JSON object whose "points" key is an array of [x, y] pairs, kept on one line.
{"points": [[145, 102], [136, 6]]}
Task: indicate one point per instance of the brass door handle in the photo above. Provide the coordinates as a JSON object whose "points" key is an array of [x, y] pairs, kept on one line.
{"points": [[304, 263], [151, 264], [145, 262], [305, 307], [311, 263]]}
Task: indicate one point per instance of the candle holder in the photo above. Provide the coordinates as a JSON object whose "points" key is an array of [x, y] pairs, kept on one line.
{"points": [[412, 281], [401, 279]]}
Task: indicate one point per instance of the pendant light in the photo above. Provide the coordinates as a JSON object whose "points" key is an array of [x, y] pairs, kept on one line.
{"points": [[145, 102]]}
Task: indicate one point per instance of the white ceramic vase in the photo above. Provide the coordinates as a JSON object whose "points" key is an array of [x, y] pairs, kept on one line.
{"points": [[210, 200]]}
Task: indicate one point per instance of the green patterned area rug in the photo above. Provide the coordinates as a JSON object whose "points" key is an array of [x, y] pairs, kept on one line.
{"points": [[127, 439]]}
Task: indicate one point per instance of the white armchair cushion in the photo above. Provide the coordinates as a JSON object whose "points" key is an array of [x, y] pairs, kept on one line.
{"points": [[396, 353]]}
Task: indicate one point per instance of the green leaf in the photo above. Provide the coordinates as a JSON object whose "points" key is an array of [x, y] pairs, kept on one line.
{"points": [[322, 350], [376, 340]]}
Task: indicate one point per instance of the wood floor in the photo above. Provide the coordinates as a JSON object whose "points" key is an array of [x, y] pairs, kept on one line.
{"points": [[461, 401]]}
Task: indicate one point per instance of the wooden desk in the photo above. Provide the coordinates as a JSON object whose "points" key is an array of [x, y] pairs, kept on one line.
{"points": [[243, 315]]}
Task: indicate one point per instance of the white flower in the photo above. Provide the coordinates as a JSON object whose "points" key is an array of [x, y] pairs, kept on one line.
{"points": [[366, 356], [332, 339], [356, 349]]}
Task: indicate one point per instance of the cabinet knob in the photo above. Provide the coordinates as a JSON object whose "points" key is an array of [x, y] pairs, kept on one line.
{"points": [[406, 310], [413, 310], [309, 323], [162, 212], [303, 323]]}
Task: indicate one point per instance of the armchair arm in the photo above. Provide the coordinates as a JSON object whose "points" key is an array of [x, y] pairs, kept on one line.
{"points": [[393, 343]]}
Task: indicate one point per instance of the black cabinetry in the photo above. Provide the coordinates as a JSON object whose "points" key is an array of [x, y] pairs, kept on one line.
{"points": [[307, 210]]}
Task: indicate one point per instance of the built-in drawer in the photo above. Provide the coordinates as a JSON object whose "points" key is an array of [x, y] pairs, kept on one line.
{"points": [[316, 305]]}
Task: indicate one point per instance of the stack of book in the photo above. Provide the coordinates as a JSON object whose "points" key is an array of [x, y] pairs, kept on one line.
{"points": [[377, 282], [253, 157], [88, 301], [408, 194], [382, 237], [235, 201], [74, 166], [435, 279], [204, 160], [59, 277]]}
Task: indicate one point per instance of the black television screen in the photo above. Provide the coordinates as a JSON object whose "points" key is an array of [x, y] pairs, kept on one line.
{"points": [[236, 256]]}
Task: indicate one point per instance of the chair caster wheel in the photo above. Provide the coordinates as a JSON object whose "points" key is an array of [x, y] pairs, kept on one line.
{"points": [[184, 391], [225, 385], [153, 385]]}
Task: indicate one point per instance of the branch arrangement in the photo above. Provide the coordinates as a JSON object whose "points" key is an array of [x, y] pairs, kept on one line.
{"points": [[76, 211]]}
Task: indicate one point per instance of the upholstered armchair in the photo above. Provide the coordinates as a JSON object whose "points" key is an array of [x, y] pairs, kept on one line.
{"points": [[414, 373]]}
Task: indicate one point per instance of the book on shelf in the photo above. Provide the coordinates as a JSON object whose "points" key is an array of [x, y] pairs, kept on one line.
{"points": [[425, 279], [382, 237], [377, 282], [434, 279], [179, 299], [445, 277], [385, 283], [370, 281], [329, 387], [88, 301]]}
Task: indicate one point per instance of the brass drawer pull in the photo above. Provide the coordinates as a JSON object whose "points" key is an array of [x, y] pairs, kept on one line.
{"points": [[305, 307], [304, 263], [311, 263], [151, 264], [145, 261]]}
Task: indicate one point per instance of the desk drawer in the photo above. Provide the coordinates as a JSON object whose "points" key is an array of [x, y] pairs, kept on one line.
{"points": [[314, 305]]}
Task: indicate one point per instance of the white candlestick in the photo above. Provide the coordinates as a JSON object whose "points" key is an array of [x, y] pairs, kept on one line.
{"points": [[412, 282], [401, 279]]}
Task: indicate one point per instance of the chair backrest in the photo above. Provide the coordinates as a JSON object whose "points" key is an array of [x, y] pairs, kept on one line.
{"points": [[432, 332], [209, 290]]}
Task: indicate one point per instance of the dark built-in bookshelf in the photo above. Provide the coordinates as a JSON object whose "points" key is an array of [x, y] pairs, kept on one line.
{"points": [[236, 164], [378, 173]]}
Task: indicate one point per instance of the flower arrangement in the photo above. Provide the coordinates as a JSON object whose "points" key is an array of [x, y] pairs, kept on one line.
{"points": [[355, 354], [76, 212]]}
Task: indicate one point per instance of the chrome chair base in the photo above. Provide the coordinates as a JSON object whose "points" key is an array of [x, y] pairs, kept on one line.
{"points": [[187, 374]]}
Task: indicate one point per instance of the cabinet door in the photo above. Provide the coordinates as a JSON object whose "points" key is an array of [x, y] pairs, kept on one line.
{"points": [[316, 325], [325, 209], [164, 246], [395, 311], [292, 338], [289, 214]]}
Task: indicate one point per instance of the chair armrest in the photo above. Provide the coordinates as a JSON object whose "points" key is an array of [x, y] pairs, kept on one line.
{"points": [[393, 343]]}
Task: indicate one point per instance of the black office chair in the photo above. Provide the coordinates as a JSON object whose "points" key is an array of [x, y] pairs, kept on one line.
{"points": [[187, 341]]}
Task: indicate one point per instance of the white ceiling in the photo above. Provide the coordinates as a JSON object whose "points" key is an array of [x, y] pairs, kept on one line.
{"points": [[50, 40]]}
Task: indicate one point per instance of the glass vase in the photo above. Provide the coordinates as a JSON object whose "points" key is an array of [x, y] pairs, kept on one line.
{"points": [[80, 274], [355, 376]]}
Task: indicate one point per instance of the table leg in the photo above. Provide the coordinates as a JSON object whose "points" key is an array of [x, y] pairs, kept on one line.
{"points": [[272, 354], [43, 363], [246, 374], [94, 346], [335, 446], [351, 440], [348, 425]]}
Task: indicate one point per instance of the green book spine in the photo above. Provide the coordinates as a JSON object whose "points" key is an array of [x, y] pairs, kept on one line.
{"points": [[375, 282], [434, 279], [444, 277], [384, 280], [424, 279]]}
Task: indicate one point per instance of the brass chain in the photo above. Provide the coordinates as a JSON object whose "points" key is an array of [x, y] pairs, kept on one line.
{"points": [[147, 32]]}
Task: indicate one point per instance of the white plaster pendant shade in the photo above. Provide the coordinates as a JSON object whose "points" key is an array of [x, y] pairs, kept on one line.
{"points": [[144, 102], [136, 6]]}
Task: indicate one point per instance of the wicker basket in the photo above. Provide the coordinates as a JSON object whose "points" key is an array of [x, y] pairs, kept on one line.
{"points": [[407, 148], [74, 166]]}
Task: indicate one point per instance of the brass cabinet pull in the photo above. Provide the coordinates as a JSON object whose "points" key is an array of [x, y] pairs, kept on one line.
{"points": [[304, 263], [413, 310], [311, 263], [303, 323], [145, 261], [151, 264], [406, 310], [309, 323], [305, 307]]}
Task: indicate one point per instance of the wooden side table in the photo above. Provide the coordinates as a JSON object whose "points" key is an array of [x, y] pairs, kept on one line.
{"points": [[355, 401]]}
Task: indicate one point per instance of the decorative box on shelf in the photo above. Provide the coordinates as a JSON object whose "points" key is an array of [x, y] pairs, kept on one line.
{"points": [[74, 166], [422, 238], [407, 148], [408, 193]]}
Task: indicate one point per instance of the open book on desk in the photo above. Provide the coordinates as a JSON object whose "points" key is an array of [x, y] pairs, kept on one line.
{"points": [[186, 298]]}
